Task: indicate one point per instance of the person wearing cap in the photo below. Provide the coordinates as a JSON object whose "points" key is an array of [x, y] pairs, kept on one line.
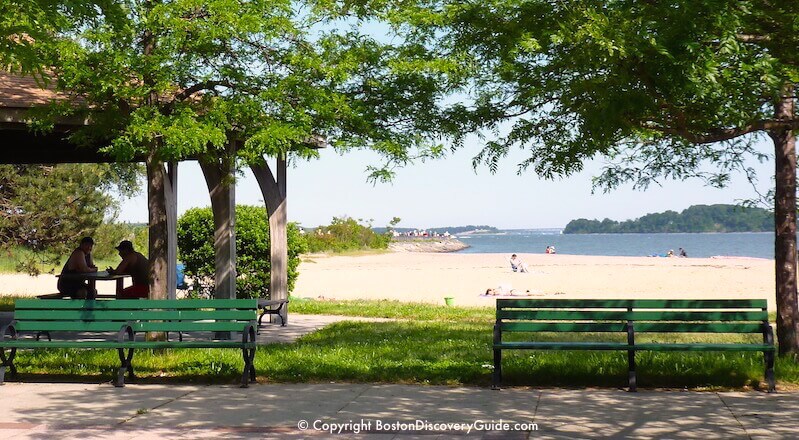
{"points": [[137, 266], [80, 261]]}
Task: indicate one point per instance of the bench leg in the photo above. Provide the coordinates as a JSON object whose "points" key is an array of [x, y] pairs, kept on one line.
{"points": [[282, 311], [248, 375], [769, 358], [125, 367], [496, 376], [631, 378], [7, 363]]}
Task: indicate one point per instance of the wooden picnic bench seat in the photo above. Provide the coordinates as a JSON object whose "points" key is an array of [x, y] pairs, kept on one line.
{"points": [[266, 307], [126, 322], [631, 318], [59, 295]]}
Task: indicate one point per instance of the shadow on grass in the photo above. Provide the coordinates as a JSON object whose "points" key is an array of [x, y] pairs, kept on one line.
{"points": [[442, 353]]}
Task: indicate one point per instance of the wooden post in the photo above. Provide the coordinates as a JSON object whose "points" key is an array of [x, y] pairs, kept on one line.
{"points": [[171, 194], [221, 186], [274, 193]]}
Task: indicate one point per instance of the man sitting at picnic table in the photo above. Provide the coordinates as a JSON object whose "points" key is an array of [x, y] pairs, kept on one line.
{"points": [[137, 266], [80, 261]]}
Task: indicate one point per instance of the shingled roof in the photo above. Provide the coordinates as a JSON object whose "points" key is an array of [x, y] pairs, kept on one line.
{"points": [[18, 91]]}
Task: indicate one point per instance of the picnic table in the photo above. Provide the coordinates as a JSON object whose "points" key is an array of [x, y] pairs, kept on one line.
{"points": [[93, 277]]}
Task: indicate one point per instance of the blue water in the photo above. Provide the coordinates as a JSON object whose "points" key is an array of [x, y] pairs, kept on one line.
{"points": [[740, 244]]}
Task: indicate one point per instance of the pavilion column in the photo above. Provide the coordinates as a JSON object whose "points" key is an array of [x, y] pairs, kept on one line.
{"points": [[156, 206], [274, 194], [171, 195], [220, 179]]}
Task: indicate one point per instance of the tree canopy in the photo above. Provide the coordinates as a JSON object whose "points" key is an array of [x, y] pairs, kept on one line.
{"points": [[661, 90]]}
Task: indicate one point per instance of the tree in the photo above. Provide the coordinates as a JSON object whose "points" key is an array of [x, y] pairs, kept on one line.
{"points": [[47, 209], [230, 82], [661, 89], [196, 247]]}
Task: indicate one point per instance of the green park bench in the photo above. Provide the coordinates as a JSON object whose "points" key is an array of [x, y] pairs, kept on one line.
{"points": [[591, 318], [122, 324]]}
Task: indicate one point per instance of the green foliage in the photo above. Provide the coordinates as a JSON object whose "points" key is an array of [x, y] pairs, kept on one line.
{"points": [[47, 209], [196, 250], [698, 218], [346, 234], [108, 235]]}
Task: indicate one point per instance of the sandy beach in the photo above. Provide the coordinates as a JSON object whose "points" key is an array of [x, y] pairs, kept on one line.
{"points": [[429, 277]]}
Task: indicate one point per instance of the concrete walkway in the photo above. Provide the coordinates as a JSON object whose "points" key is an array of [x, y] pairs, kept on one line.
{"points": [[140, 411], [56, 411]]}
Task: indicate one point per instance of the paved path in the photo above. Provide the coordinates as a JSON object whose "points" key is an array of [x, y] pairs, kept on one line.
{"points": [[60, 411]]}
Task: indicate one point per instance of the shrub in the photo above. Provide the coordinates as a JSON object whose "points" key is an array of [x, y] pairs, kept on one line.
{"points": [[346, 234], [253, 265]]}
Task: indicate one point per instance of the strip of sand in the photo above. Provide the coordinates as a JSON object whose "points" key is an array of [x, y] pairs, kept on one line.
{"points": [[430, 277]]}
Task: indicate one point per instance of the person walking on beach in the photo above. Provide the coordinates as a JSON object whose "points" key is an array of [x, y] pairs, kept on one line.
{"points": [[517, 265], [80, 261], [137, 266], [683, 253]]}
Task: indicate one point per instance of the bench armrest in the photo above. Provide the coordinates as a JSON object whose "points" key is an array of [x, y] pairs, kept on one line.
{"points": [[126, 330], [248, 334], [768, 333], [9, 329]]}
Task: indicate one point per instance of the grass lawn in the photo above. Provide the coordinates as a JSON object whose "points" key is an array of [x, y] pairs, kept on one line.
{"points": [[427, 345]]}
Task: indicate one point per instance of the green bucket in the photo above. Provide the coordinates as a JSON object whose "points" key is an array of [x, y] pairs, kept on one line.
{"points": [[448, 300]]}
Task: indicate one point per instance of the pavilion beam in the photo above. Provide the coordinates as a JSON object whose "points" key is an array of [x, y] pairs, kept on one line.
{"points": [[219, 177], [274, 194]]}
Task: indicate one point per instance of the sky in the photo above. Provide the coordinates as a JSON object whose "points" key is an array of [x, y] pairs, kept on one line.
{"points": [[449, 192]]}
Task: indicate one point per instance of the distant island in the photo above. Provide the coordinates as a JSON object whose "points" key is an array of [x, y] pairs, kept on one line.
{"points": [[697, 218], [468, 229]]}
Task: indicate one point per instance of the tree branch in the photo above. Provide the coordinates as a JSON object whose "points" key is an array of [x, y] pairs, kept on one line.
{"points": [[722, 134]]}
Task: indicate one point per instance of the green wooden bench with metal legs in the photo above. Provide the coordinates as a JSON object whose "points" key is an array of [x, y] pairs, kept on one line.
{"points": [[631, 318], [122, 325]]}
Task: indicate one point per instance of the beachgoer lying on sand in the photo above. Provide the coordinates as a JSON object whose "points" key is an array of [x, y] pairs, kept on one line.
{"points": [[513, 292], [517, 265]]}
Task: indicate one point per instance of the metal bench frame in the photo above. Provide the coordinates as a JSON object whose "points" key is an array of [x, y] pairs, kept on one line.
{"points": [[633, 317]]}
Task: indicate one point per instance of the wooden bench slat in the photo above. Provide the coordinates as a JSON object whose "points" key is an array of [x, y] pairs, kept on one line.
{"points": [[133, 315], [570, 327], [639, 303], [114, 326], [701, 347], [134, 304], [698, 327], [563, 345], [597, 315]]}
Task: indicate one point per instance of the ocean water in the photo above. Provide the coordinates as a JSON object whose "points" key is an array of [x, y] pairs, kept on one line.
{"points": [[739, 244]]}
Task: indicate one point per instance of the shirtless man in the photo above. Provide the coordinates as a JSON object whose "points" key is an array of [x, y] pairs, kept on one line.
{"points": [[137, 266], [80, 261]]}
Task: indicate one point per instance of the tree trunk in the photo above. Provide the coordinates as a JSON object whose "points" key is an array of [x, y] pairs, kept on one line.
{"points": [[274, 193], [785, 230], [156, 204], [221, 188]]}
